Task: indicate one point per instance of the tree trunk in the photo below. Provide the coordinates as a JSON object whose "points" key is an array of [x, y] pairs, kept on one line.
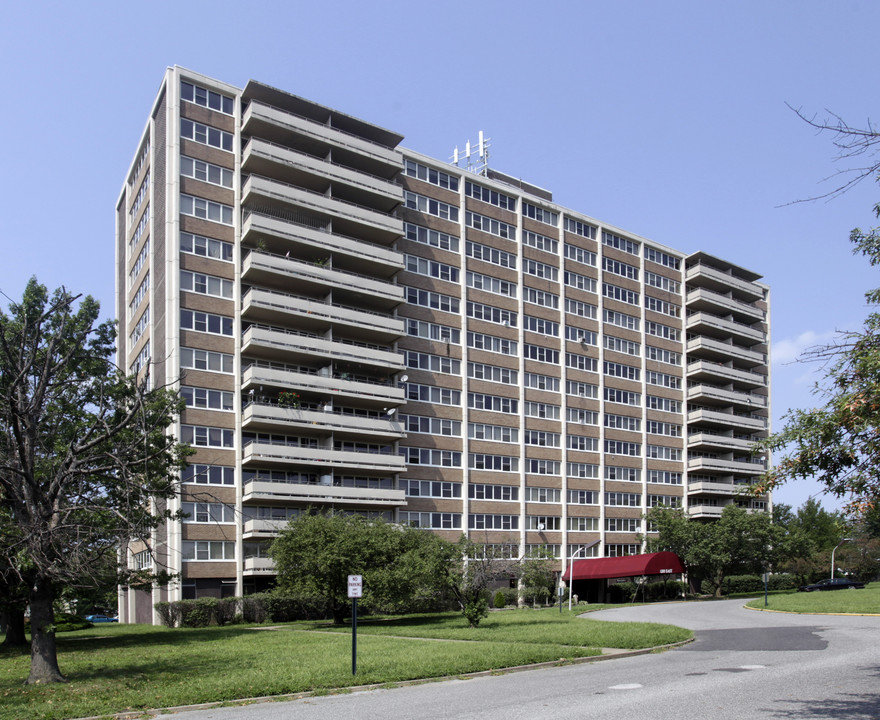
{"points": [[44, 655], [13, 622]]}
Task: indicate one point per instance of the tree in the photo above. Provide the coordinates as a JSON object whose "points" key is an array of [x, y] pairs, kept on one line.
{"points": [[316, 552], [536, 575], [84, 451]]}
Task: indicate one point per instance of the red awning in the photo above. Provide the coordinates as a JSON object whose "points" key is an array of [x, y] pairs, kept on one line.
{"points": [[662, 563]]}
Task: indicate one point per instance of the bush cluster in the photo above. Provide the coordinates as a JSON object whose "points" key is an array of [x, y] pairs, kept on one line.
{"points": [[751, 583], [630, 591], [257, 608]]}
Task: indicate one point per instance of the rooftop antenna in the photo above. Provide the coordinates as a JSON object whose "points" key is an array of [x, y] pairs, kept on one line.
{"points": [[476, 159]]}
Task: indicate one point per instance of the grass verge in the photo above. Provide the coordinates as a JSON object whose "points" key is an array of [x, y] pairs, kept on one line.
{"points": [[828, 601], [132, 667]]}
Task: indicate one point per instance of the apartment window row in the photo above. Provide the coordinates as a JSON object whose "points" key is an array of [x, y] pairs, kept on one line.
{"points": [[139, 329], [194, 359], [142, 560], [431, 521], [430, 268], [659, 330], [430, 206], [139, 295], [206, 284], [661, 355], [653, 377], [580, 228], [205, 322], [491, 255], [623, 422], [543, 467], [540, 297], [202, 436], [497, 433], [490, 225], [205, 171], [630, 525], [619, 319], [540, 325], [426, 236], [622, 550], [540, 353], [541, 410], [581, 309], [542, 438], [673, 501], [543, 522], [205, 209], [492, 314], [206, 98], [430, 175], [492, 343], [620, 447], [199, 512], [619, 499], [493, 403], [431, 488], [581, 389], [207, 399], [583, 497], [202, 474], [541, 382], [434, 363], [582, 443], [435, 458], [139, 165], [583, 524], [620, 370], [628, 347], [493, 197], [589, 471], [206, 135], [436, 301], [615, 292], [539, 269], [581, 282], [432, 394], [290, 477], [205, 247], [620, 268], [491, 284], [540, 242], [433, 331], [480, 491], [655, 402], [662, 258], [430, 425], [623, 474], [581, 416], [139, 199], [579, 254], [662, 282], [540, 214], [662, 307], [655, 427], [622, 397], [207, 550], [493, 522], [664, 477], [664, 452], [141, 361], [141, 228], [484, 461], [615, 241], [492, 373], [581, 362]]}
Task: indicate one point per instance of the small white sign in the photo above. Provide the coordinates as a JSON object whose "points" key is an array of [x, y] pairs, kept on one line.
{"points": [[355, 586]]}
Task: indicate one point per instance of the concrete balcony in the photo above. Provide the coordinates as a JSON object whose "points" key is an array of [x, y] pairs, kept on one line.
{"points": [[263, 528], [314, 494], [372, 259], [704, 393], [268, 455], [710, 440], [712, 349], [261, 268], [277, 161], [705, 511], [715, 488], [366, 393], [725, 467], [258, 416], [363, 221], [713, 371], [289, 346], [708, 324], [276, 308], [259, 566], [708, 276], [712, 417], [259, 116], [713, 302]]}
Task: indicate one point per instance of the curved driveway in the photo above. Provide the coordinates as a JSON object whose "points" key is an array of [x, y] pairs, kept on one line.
{"points": [[744, 664]]}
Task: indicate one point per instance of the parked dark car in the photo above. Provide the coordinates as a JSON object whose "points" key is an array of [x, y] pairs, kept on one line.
{"points": [[101, 618], [832, 584]]}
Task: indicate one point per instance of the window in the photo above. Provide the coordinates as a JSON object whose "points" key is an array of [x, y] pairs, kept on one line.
{"points": [[624, 397], [430, 488], [581, 282], [623, 474], [430, 425], [433, 331], [431, 520], [662, 452], [580, 228], [191, 358], [208, 512], [201, 436], [662, 282], [206, 98], [662, 379], [205, 247], [498, 433], [543, 467], [619, 447], [424, 204], [142, 324], [492, 197], [581, 309], [620, 370], [490, 225], [430, 175], [582, 497], [492, 314], [583, 524], [490, 255], [492, 373], [620, 268], [139, 296], [540, 242], [543, 522], [540, 214], [139, 165], [661, 306], [665, 500], [483, 461], [432, 394], [539, 269], [581, 416], [139, 263], [479, 491], [664, 331], [493, 403], [582, 470], [437, 301], [424, 456], [579, 254], [661, 403], [661, 258], [201, 474], [582, 443], [493, 522], [205, 209], [206, 135], [207, 399], [139, 230], [581, 389], [619, 499], [142, 360], [207, 550], [540, 297], [539, 353], [142, 560], [426, 236], [621, 345], [205, 284], [615, 241], [205, 171], [623, 422], [541, 410], [542, 439], [622, 550], [620, 319], [434, 363], [542, 326], [430, 268], [630, 525], [581, 362], [664, 477], [655, 427], [541, 382], [615, 292], [492, 343], [205, 322], [491, 284]]}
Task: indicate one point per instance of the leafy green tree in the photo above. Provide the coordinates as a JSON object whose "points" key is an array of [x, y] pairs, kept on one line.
{"points": [[316, 552], [83, 450], [536, 575]]}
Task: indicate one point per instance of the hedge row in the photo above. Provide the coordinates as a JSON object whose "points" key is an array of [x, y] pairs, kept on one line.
{"points": [[258, 608], [752, 583]]}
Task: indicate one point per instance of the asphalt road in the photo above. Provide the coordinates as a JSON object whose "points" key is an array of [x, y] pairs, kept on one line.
{"points": [[743, 664]]}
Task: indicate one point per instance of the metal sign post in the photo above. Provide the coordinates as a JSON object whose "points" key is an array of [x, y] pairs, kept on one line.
{"points": [[355, 590]]}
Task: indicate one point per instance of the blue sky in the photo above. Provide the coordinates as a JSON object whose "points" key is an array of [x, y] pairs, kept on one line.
{"points": [[667, 119]]}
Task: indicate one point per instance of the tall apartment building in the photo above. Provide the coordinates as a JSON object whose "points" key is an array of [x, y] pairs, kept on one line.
{"points": [[357, 326]]}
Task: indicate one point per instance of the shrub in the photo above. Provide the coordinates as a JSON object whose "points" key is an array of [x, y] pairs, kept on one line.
{"points": [[67, 622], [225, 610], [169, 613], [621, 592], [475, 611], [198, 612], [252, 608], [499, 601]]}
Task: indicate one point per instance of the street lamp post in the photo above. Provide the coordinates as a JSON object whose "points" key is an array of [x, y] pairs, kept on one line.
{"points": [[834, 551], [582, 548]]}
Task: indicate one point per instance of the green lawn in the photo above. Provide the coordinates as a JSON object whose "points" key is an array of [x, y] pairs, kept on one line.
{"points": [[131, 667], [829, 601]]}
